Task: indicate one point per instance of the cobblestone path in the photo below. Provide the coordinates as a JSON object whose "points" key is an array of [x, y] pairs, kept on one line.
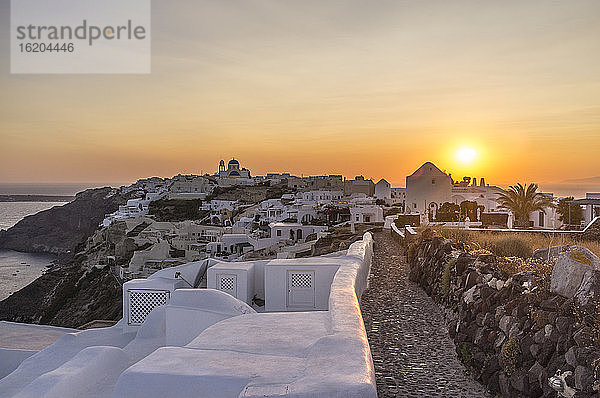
{"points": [[412, 352]]}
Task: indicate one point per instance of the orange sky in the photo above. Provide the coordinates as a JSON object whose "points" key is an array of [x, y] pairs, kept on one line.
{"points": [[353, 87]]}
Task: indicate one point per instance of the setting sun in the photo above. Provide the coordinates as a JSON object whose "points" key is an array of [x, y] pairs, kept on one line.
{"points": [[466, 155]]}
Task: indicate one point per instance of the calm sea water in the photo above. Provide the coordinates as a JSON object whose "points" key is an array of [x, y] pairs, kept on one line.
{"points": [[13, 212], [17, 270]]}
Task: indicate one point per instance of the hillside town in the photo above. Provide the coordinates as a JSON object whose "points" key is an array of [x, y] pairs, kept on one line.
{"points": [[258, 286], [301, 211]]}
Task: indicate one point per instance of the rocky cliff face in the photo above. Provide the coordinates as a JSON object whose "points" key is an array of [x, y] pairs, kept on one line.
{"points": [[62, 228], [79, 291], [69, 296], [76, 291], [511, 330]]}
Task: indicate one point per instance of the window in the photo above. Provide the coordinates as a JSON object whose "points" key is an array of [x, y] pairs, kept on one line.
{"points": [[278, 232], [433, 180]]}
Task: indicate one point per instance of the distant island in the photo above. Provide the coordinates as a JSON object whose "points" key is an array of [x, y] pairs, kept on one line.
{"points": [[36, 198]]}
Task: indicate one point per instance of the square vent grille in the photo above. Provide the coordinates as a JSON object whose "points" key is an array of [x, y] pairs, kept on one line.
{"points": [[227, 284], [141, 302], [301, 280]]}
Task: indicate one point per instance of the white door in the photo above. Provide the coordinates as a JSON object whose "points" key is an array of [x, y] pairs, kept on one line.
{"points": [[227, 283], [301, 290]]}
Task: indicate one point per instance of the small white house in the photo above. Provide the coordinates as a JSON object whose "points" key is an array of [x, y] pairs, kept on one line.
{"points": [[547, 218], [383, 190], [366, 214], [295, 232]]}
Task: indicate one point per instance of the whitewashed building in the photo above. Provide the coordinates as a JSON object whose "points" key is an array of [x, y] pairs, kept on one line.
{"points": [[398, 196], [233, 170], [294, 232], [178, 340], [426, 189], [135, 208], [592, 207], [366, 214], [323, 196], [383, 190], [190, 187]]}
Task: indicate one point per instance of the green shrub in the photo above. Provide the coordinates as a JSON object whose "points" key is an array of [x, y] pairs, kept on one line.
{"points": [[446, 276], [512, 247]]}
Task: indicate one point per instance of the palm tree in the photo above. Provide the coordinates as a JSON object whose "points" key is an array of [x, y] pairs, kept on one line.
{"points": [[522, 201]]}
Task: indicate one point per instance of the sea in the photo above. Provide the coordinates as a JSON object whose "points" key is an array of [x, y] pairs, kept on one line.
{"points": [[17, 270]]}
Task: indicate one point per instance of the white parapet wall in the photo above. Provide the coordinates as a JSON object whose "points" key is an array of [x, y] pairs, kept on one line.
{"points": [[299, 285], [300, 354], [191, 311], [207, 343]]}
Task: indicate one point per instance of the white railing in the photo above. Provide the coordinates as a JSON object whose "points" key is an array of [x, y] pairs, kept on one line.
{"points": [[397, 230], [410, 230], [591, 223]]}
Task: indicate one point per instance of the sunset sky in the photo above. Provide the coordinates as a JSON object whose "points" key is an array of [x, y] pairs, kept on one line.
{"points": [[318, 87]]}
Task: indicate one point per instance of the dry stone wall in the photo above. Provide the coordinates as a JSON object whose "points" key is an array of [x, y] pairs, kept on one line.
{"points": [[513, 333]]}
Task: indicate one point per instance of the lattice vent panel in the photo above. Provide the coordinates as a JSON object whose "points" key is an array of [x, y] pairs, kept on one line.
{"points": [[227, 284], [302, 281], [141, 302]]}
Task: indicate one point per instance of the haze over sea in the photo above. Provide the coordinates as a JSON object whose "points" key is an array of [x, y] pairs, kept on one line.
{"points": [[59, 189]]}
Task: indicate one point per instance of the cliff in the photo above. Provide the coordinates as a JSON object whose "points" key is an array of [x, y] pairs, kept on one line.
{"points": [[74, 292], [62, 228], [69, 296], [80, 289]]}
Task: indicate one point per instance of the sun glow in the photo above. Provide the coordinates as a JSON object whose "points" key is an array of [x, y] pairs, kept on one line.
{"points": [[466, 155]]}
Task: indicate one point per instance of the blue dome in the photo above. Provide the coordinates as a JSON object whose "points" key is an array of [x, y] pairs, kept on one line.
{"points": [[233, 161]]}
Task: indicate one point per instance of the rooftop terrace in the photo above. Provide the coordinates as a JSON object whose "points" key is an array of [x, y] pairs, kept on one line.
{"points": [[175, 340]]}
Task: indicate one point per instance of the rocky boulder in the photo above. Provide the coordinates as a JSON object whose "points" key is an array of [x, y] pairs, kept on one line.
{"points": [[551, 253], [576, 274]]}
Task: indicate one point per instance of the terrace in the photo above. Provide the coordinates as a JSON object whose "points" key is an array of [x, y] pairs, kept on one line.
{"points": [[305, 338]]}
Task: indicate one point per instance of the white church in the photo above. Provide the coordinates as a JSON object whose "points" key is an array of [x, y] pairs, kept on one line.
{"points": [[233, 170], [233, 174]]}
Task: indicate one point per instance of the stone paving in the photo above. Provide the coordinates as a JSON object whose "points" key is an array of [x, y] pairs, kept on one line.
{"points": [[412, 352]]}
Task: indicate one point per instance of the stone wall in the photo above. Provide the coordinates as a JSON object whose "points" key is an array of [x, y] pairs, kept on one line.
{"points": [[511, 332]]}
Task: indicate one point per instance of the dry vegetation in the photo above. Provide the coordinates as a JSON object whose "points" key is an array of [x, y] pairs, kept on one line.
{"points": [[514, 250], [513, 244]]}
